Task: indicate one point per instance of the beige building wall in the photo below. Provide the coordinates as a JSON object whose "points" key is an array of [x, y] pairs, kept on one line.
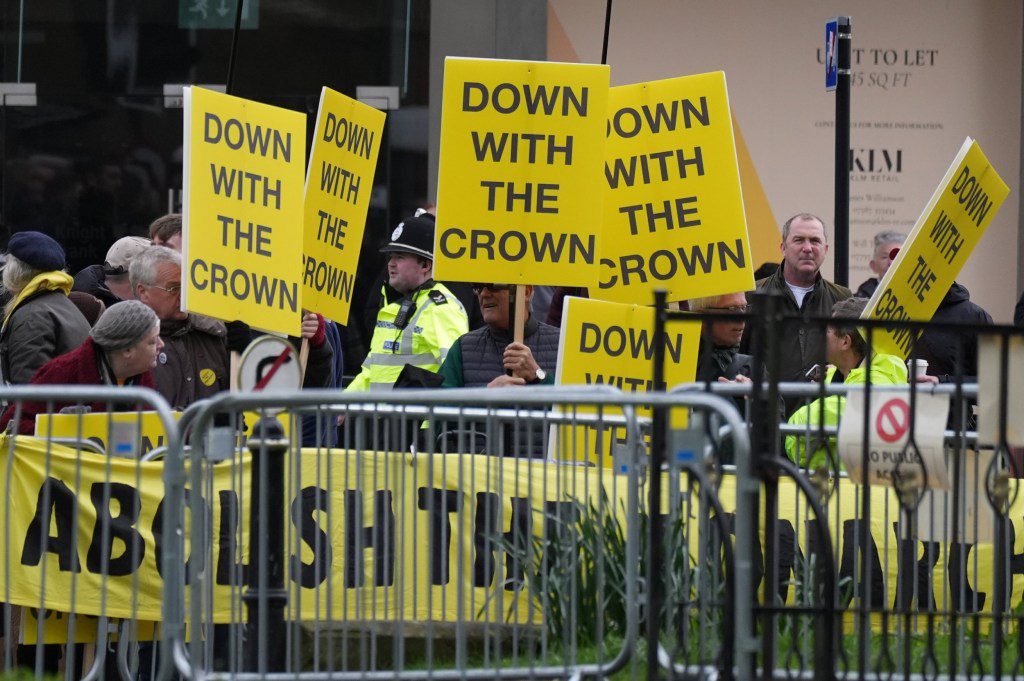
{"points": [[927, 74]]}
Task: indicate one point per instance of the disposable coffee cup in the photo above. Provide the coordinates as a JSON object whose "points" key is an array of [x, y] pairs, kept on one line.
{"points": [[917, 367]]}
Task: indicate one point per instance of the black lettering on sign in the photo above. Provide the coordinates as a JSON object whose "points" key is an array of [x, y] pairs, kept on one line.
{"points": [[544, 192], [486, 537], [921, 278], [675, 213], [561, 529], [869, 588], [507, 98], [345, 134], [971, 196], [331, 229], [521, 146], [629, 122], [255, 138], [195, 543], [245, 186], [240, 285], [668, 165], [337, 181], [252, 238], [628, 383], [327, 278], [946, 237], [514, 245], [914, 577], [305, 507], [962, 598], [110, 527], [615, 340], [229, 571], [664, 265], [440, 504], [54, 503], [890, 307], [380, 537]]}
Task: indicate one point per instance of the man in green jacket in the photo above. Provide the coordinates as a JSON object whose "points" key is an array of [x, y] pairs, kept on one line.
{"points": [[805, 293], [846, 351]]}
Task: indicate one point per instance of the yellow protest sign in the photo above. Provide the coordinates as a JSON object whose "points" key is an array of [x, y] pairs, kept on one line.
{"points": [[244, 166], [99, 427], [342, 161], [519, 182], [952, 223], [612, 344], [392, 517], [673, 205]]}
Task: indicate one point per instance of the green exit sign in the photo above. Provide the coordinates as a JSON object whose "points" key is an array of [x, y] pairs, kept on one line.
{"points": [[217, 13]]}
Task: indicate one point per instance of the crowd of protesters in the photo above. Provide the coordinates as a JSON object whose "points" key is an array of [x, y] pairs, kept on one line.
{"points": [[120, 323]]}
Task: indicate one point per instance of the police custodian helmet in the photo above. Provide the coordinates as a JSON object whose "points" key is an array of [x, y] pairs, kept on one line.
{"points": [[413, 235]]}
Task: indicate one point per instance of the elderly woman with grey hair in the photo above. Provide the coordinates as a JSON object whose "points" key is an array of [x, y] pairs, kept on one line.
{"points": [[39, 323], [120, 350]]}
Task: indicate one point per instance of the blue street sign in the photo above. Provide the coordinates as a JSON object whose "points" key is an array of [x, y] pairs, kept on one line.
{"points": [[831, 54]]}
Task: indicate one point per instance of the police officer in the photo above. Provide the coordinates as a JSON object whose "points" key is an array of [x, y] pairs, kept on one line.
{"points": [[424, 320]]}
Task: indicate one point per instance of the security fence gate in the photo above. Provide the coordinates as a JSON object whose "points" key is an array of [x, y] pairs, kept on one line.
{"points": [[521, 534]]}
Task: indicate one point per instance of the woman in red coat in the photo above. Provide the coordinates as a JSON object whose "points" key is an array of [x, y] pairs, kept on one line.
{"points": [[120, 350]]}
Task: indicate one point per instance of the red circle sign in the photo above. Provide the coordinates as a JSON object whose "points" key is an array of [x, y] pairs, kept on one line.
{"points": [[893, 420]]}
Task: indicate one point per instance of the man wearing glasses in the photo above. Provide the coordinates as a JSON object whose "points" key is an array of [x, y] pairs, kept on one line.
{"points": [[194, 362], [718, 357], [489, 357]]}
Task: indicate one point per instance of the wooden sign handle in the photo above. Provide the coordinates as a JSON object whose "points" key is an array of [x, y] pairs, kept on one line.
{"points": [[519, 318]]}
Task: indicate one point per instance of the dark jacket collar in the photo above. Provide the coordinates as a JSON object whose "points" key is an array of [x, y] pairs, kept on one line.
{"points": [[505, 335]]}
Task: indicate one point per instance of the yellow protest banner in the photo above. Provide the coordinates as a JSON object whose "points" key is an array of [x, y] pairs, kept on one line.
{"points": [[612, 344], [952, 223], [148, 430], [673, 205], [519, 182], [399, 526], [244, 166], [342, 161]]}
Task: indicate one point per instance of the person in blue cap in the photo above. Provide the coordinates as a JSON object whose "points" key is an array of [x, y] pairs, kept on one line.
{"points": [[39, 323]]}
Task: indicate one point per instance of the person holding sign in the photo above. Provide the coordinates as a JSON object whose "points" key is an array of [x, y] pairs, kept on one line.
{"points": [[846, 351], [120, 350], [880, 261], [194, 363], [718, 358], [421, 324], [489, 357], [804, 292]]}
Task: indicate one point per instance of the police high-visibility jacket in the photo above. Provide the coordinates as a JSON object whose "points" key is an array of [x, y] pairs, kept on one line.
{"points": [[438, 319], [885, 370]]}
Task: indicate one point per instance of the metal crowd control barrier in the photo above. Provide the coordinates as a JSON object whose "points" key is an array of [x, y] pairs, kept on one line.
{"points": [[397, 554], [900, 581], [83, 594]]}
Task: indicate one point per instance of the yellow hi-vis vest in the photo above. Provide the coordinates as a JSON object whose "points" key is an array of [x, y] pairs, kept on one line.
{"points": [[438, 320]]}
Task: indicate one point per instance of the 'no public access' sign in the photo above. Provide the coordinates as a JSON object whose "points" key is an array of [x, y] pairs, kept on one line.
{"points": [[889, 451]]}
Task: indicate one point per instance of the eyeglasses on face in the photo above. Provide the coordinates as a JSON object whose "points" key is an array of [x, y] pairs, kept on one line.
{"points": [[173, 290], [494, 288], [735, 309]]}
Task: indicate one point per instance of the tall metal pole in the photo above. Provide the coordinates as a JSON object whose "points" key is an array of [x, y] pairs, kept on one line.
{"points": [[265, 596], [659, 423], [842, 209]]}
